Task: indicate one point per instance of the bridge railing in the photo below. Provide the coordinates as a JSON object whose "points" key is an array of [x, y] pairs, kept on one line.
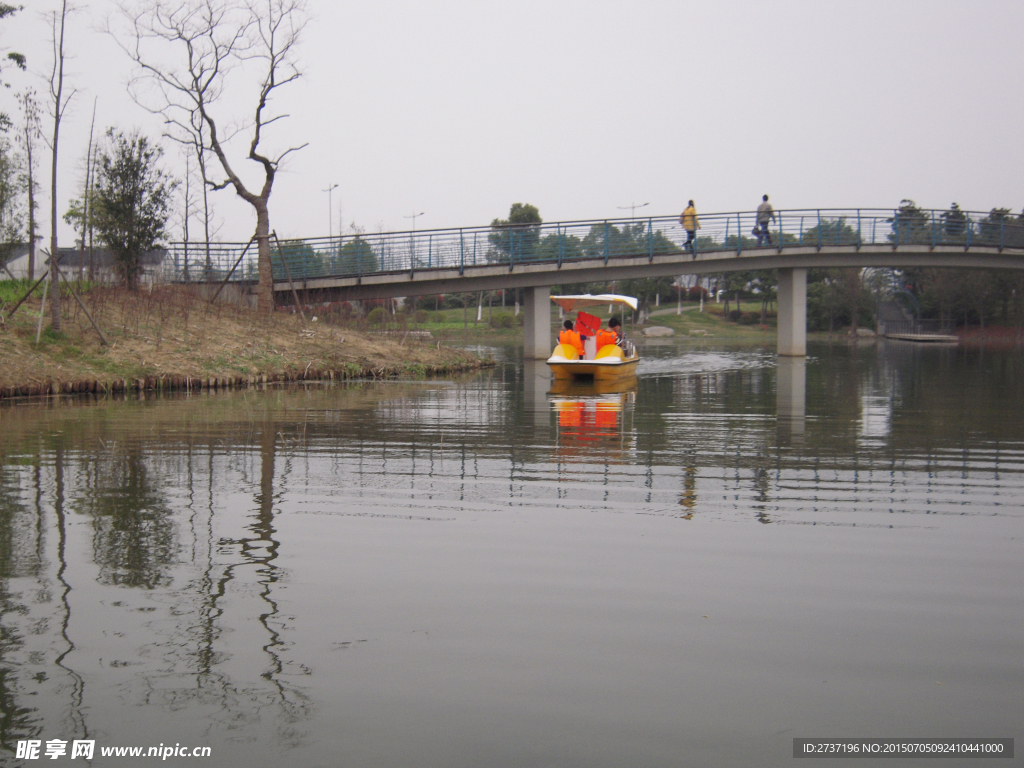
{"points": [[594, 241]]}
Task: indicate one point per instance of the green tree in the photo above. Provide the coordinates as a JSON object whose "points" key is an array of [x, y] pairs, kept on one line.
{"points": [[831, 232], [133, 196], [518, 235], [631, 240], [910, 224], [6, 11], [302, 259], [992, 228], [12, 199], [954, 223], [356, 257]]}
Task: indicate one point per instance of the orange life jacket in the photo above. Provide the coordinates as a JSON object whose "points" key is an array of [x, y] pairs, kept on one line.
{"points": [[605, 337], [572, 339]]}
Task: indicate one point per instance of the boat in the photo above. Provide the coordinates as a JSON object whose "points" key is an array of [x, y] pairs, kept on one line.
{"points": [[612, 363]]}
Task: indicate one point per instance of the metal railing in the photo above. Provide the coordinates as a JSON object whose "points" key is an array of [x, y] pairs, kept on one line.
{"points": [[561, 243]]}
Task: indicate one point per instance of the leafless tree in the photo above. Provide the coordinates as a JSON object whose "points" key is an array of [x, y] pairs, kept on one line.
{"points": [[29, 136], [87, 197], [59, 105], [198, 145], [211, 39]]}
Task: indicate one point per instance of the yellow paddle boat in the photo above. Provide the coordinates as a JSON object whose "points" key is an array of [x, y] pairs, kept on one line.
{"points": [[610, 363]]}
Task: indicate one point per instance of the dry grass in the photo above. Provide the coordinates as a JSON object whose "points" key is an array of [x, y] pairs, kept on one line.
{"points": [[170, 333]]}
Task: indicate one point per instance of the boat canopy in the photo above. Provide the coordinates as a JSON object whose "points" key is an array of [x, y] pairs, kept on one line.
{"points": [[572, 303]]}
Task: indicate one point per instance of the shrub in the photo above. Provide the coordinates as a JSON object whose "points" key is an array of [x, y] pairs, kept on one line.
{"points": [[439, 317], [376, 316], [735, 315], [749, 318], [501, 320], [421, 315]]}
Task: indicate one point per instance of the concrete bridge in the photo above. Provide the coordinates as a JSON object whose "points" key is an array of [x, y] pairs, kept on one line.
{"points": [[535, 257]]}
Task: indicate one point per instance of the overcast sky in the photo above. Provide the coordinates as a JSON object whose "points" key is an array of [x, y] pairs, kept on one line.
{"points": [[458, 109]]}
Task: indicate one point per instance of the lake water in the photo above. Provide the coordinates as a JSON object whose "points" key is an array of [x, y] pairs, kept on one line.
{"points": [[479, 573]]}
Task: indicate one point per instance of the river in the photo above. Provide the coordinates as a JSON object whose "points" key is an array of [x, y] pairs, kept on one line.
{"points": [[477, 572]]}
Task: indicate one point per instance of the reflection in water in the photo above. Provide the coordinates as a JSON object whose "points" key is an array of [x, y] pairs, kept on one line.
{"points": [[791, 394], [151, 553], [595, 428], [133, 535]]}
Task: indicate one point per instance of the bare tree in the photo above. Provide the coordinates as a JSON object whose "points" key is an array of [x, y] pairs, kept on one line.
{"points": [[30, 109], [211, 38], [60, 103], [86, 196], [198, 145]]}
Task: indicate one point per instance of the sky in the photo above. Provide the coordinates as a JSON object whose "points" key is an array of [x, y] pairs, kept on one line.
{"points": [[456, 110]]}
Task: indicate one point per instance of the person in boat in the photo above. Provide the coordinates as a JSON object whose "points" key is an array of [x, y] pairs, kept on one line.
{"points": [[610, 335], [570, 338]]}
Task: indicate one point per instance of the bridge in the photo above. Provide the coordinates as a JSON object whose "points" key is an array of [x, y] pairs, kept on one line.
{"points": [[537, 256]]}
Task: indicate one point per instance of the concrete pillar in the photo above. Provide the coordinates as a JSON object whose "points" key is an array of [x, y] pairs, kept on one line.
{"points": [[792, 337], [537, 323]]}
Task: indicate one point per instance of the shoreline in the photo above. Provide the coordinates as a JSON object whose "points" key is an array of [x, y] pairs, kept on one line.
{"points": [[172, 339], [178, 383]]}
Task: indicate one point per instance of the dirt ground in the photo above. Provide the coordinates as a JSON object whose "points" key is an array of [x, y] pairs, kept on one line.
{"points": [[170, 337]]}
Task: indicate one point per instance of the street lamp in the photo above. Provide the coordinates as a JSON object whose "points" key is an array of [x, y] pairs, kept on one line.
{"points": [[330, 210], [632, 209], [412, 238], [413, 216]]}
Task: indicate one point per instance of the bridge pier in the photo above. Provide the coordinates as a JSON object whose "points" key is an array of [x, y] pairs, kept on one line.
{"points": [[537, 323], [792, 320]]}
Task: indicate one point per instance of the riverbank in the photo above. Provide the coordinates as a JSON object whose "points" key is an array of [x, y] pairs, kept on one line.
{"points": [[170, 338]]}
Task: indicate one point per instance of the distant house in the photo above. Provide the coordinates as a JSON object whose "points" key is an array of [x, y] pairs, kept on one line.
{"points": [[75, 261], [15, 256]]}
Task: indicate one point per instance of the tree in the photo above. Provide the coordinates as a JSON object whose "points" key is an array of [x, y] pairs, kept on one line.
{"points": [[954, 223], [910, 224], [356, 257], [518, 235], [60, 104], [79, 213], [992, 228], [15, 58], [12, 213], [28, 139], [133, 199], [831, 232], [212, 39]]}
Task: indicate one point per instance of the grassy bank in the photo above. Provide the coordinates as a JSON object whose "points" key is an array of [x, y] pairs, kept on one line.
{"points": [[170, 338]]}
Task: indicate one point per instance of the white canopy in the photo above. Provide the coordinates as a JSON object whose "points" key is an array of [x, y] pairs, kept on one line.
{"points": [[572, 303]]}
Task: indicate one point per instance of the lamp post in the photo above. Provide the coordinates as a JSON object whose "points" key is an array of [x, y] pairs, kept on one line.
{"points": [[632, 209], [330, 210], [412, 238], [413, 216]]}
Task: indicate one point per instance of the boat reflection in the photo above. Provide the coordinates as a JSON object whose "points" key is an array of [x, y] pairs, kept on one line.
{"points": [[594, 420], [583, 388]]}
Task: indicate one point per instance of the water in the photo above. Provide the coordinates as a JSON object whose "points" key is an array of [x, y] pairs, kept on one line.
{"points": [[477, 572]]}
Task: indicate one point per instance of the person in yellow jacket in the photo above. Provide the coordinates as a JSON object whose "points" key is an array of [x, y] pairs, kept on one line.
{"points": [[691, 224]]}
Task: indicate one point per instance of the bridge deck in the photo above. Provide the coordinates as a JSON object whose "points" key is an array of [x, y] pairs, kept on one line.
{"points": [[484, 258]]}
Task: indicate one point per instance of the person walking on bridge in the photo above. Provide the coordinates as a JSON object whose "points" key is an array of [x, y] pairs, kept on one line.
{"points": [[691, 224], [765, 214]]}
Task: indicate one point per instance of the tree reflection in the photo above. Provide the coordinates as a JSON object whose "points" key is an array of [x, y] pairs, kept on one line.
{"points": [[18, 557], [133, 533]]}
